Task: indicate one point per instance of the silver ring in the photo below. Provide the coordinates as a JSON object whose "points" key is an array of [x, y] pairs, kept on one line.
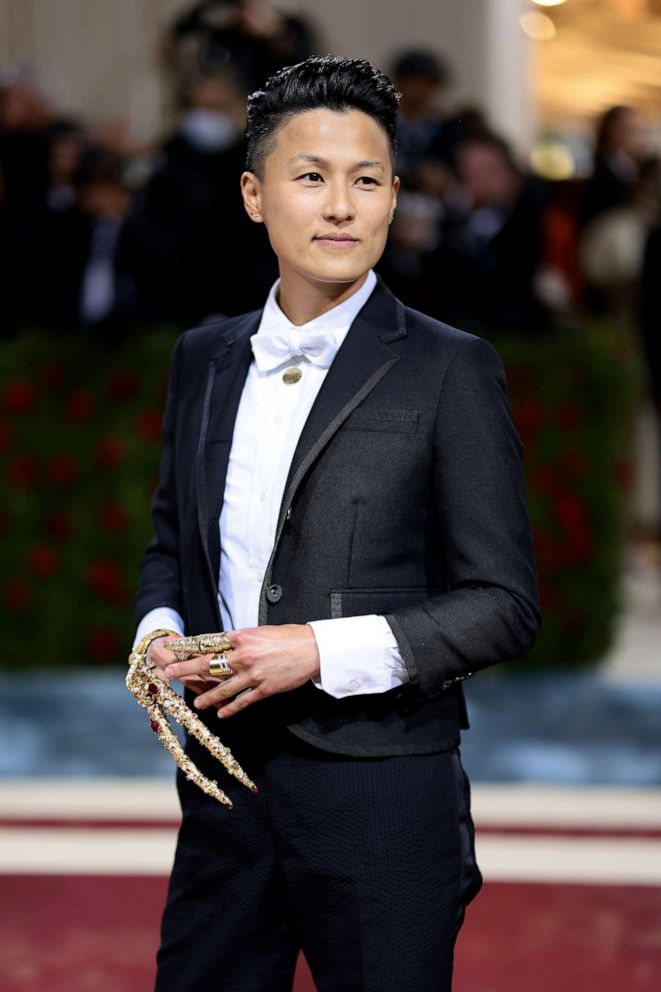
{"points": [[219, 666]]}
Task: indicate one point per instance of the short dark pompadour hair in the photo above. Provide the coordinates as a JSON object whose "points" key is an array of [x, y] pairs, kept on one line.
{"points": [[328, 82]]}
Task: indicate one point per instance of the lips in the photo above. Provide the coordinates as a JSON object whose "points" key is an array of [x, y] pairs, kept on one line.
{"points": [[338, 238]]}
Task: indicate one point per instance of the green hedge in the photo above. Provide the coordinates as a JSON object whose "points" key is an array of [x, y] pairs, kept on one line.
{"points": [[571, 399], [79, 447]]}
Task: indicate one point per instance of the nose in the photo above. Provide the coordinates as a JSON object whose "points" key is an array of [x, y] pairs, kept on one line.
{"points": [[338, 205]]}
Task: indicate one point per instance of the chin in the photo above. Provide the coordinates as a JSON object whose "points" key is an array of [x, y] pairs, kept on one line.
{"points": [[342, 270]]}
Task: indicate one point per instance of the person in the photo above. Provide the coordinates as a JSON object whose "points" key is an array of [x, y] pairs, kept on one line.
{"points": [[169, 243], [341, 493], [81, 279], [616, 165], [25, 117], [422, 78], [484, 269], [252, 37]]}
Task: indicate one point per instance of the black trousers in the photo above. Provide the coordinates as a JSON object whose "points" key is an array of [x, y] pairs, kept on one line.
{"points": [[366, 864]]}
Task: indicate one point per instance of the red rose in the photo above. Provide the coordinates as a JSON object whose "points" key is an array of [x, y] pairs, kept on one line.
{"points": [[546, 594], [572, 620], [528, 416], [518, 379], [106, 579], [150, 425], [19, 396], [6, 435], [42, 560], [161, 388], [18, 595], [102, 644], [548, 554], [577, 547], [22, 471], [624, 474], [63, 470], [80, 406], [547, 480], [59, 525], [110, 452], [51, 375], [573, 463], [114, 518], [569, 417], [122, 385], [570, 512]]}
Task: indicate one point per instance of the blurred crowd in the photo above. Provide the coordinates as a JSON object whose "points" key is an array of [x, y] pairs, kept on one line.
{"points": [[98, 231]]}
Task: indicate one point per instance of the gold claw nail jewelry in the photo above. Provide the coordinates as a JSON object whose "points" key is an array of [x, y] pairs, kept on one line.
{"points": [[220, 667], [159, 700], [184, 647]]}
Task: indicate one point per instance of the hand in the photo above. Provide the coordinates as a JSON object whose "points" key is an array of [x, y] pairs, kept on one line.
{"points": [[159, 655], [265, 660]]}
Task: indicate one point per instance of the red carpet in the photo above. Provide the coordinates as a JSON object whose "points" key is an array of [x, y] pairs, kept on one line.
{"points": [[99, 934]]}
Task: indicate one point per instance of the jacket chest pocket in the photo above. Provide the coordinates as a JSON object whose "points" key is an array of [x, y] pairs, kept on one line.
{"points": [[383, 421]]}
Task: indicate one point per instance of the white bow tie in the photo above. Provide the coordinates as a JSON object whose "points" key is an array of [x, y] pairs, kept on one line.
{"points": [[271, 350]]}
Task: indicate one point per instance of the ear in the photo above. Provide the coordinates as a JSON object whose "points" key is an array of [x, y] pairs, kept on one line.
{"points": [[395, 190], [251, 193]]}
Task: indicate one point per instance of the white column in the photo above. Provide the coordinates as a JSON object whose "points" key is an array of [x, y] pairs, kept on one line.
{"points": [[93, 58], [508, 83]]}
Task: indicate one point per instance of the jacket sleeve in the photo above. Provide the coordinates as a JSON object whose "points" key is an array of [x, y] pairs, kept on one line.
{"points": [[160, 578], [490, 611]]}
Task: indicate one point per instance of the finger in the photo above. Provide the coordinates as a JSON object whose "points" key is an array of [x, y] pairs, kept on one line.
{"points": [[229, 687], [198, 685], [161, 657], [194, 666], [202, 643], [243, 700]]}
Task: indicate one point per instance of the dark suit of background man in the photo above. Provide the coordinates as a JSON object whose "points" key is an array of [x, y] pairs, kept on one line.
{"points": [[361, 533]]}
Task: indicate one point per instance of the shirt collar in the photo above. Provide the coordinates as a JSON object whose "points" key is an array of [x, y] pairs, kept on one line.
{"points": [[337, 321]]}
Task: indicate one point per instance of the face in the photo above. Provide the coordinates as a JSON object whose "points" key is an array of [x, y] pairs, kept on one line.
{"points": [[486, 174], [326, 196], [418, 92]]}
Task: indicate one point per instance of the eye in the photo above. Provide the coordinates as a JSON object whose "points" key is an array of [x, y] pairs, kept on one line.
{"points": [[368, 181], [313, 177]]}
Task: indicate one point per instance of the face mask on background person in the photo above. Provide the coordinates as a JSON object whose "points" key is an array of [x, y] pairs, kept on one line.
{"points": [[208, 130]]}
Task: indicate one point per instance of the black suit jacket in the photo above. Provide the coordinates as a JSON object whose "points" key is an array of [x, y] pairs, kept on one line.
{"points": [[405, 497]]}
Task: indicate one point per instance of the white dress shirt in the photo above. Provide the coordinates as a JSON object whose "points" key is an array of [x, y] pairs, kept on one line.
{"points": [[357, 654]]}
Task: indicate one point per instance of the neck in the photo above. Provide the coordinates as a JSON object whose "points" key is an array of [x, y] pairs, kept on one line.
{"points": [[302, 299]]}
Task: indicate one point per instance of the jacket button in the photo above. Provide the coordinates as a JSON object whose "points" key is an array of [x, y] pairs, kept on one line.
{"points": [[288, 514], [274, 593]]}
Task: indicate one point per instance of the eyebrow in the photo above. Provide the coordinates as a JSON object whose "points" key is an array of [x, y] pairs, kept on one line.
{"points": [[367, 163]]}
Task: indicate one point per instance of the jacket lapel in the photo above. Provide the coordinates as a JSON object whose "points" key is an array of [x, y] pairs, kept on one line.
{"points": [[360, 363], [226, 377]]}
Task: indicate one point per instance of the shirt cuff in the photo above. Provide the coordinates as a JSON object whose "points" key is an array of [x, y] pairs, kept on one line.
{"points": [[357, 655], [163, 617]]}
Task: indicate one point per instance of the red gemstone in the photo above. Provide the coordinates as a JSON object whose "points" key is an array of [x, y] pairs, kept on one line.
{"points": [[152, 689], [154, 726]]}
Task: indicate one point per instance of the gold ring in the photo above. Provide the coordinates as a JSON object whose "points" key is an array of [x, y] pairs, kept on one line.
{"points": [[211, 643], [184, 647], [220, 667]]}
